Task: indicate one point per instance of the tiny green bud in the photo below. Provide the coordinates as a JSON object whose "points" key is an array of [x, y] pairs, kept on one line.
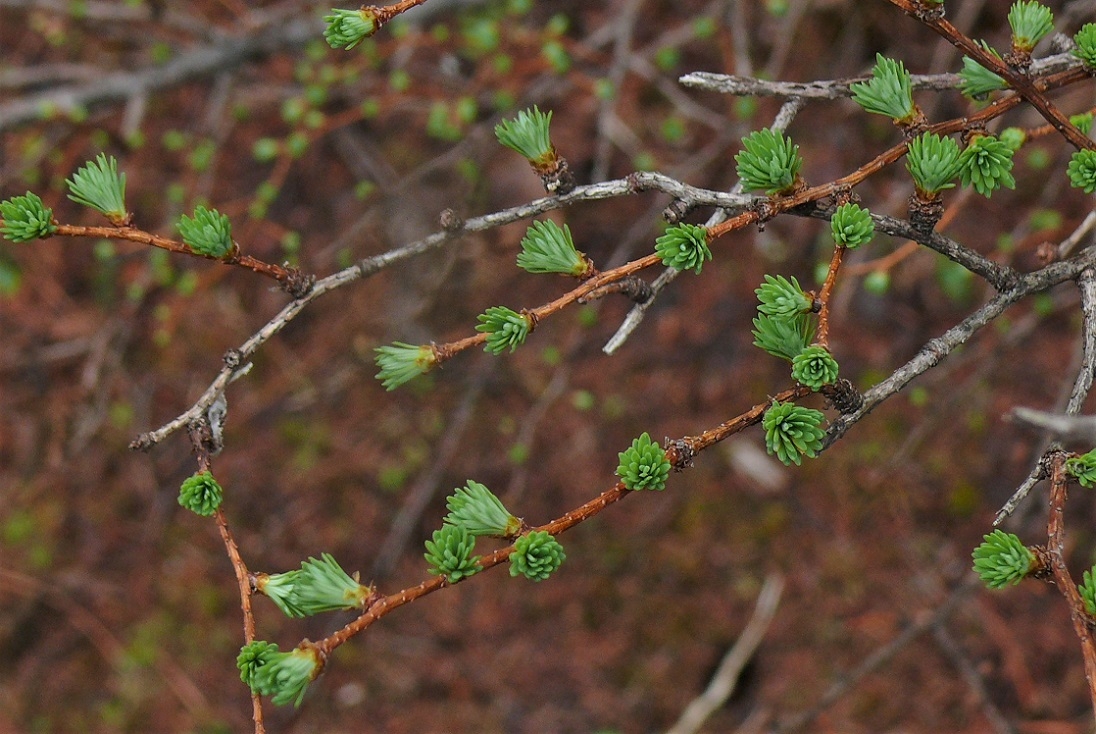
{"points": [[253, 656], [1087, 589]]}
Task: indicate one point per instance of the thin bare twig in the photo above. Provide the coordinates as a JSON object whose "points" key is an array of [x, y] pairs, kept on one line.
{"points": [[723, 683]]}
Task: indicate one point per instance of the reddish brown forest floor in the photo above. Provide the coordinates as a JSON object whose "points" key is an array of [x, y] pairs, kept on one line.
{"points": [[118, 609]]}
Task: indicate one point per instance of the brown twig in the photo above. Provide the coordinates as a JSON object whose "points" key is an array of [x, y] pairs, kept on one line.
{"points": [[1055, 550]]}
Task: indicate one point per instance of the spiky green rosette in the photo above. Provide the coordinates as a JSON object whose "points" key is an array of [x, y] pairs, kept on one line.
{"points": [[933, 162], [278, 587], [1085, 45], [1087, 589], [208, 232], [781, 298], [1083, 468], [548, 248], [528, 134], [400, 362], [253, 656], [201, 494], [536, 555], [644, 465], [783, 337], [814, 367], [684, 246], [987, 165], [1082, 170], [449, 553], [26, 218], [323, 586], [852, 225], [285, 675], [1030, 21], [976, 80], [504, 328], [768, 162], [792, 432], [889, 92], [98, 184], [347, 28], [1002, 559], [476, 509]]}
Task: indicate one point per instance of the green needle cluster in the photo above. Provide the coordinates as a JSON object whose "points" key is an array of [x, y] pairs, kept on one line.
{"points": [[282, 675], [1002, 559], [889, 92], [782, 336], [977, 80], [1083, 468], [504, 328], [207, 233], [1085, 45], [528, 134], [97, 184], [1030, 21], [400, 362], [536, 556], [987, 165], [347, 28], [548, 248], [814, 367], [449, 553], [852, 226], [781, 298], [1087, 590], [201, 494], [792, 432], [684, 246], [476, 509], [768, 162], [933, 162], [1082, 170], [644, 465], [26, 218]]}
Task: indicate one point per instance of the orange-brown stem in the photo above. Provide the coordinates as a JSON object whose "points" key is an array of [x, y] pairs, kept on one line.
{"points": [[1059, 481], [824, 297], [132, 234]]}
